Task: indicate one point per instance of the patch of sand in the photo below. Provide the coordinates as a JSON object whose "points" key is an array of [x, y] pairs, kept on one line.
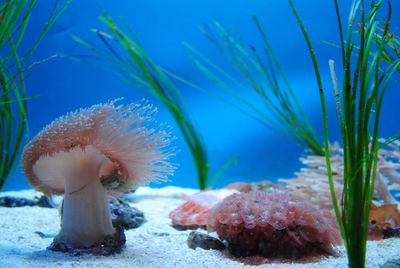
{"points": [[154, 244]]}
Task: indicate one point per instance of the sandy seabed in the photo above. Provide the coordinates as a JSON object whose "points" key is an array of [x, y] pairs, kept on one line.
{"points": [[154, 244]]}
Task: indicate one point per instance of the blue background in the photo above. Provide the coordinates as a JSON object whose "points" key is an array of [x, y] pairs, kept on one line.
{"points": [[61, 85]]}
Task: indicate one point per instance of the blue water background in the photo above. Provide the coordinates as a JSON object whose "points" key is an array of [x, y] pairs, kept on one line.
{"points": [[61, 85]]}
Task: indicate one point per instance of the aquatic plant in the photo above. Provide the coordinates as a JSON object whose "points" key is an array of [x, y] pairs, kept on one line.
{"points": [[140, 70], [273, 225], [261, 70], [87, 154], [14, 22], [359, 103], [391, 52]]}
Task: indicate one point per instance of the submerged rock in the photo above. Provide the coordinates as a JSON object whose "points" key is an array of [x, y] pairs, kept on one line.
{"points": [[11, 202], [45, 202], [180, 227], [124, 215], [160, 234], [112, 244], [391, 232], [45, 235], [204, 241]]}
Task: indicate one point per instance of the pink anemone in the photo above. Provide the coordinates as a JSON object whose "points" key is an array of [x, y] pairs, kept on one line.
{"points": [[90, 152]]}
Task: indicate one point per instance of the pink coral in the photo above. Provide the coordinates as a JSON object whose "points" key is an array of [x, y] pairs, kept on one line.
{"points": [[273, 224], [194, 212]]}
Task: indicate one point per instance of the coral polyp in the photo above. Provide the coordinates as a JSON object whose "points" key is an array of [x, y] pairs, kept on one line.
{"points": [[273, 225]]}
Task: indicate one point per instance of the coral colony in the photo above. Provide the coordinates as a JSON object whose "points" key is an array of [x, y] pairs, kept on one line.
{"points": [[89, 154], [311, 181], [194, 212], [273, 224]]}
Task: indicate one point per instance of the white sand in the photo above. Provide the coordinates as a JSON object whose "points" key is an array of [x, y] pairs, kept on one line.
{"points": [[154, 244]]}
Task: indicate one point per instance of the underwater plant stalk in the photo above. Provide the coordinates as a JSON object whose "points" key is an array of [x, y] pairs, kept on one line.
{"points": [[138, 69], [283, 110], [391, 52], [14, 21], [358, 105]]}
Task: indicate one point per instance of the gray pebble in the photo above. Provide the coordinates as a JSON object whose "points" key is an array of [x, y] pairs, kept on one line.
{"points": [[204, 241]]}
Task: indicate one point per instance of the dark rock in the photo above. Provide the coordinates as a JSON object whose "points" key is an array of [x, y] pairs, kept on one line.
{"points": [[45, 202], [204, 241], [112, 244], [12, 202], [160, 234], [43, 235], [124, 215], [180, 227], [391, 232]]}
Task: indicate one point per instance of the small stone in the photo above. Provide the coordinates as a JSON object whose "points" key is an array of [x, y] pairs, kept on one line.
{"points": [[124, 215], [204, 241], [43, 235], [161, 234], [391, 232], [180, 227], [45, 202]]}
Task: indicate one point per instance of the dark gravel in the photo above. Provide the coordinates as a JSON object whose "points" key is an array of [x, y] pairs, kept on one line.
{"points": [[11, 202], [124, 215], [204, 241]]}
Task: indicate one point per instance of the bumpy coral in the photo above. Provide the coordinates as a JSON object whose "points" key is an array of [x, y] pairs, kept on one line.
{"points": [[194, 212], [273, 225], [311, 182]]}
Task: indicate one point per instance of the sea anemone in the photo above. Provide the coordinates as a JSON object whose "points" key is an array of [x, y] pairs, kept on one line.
{"points": [[92, 152], [273, 225]]}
